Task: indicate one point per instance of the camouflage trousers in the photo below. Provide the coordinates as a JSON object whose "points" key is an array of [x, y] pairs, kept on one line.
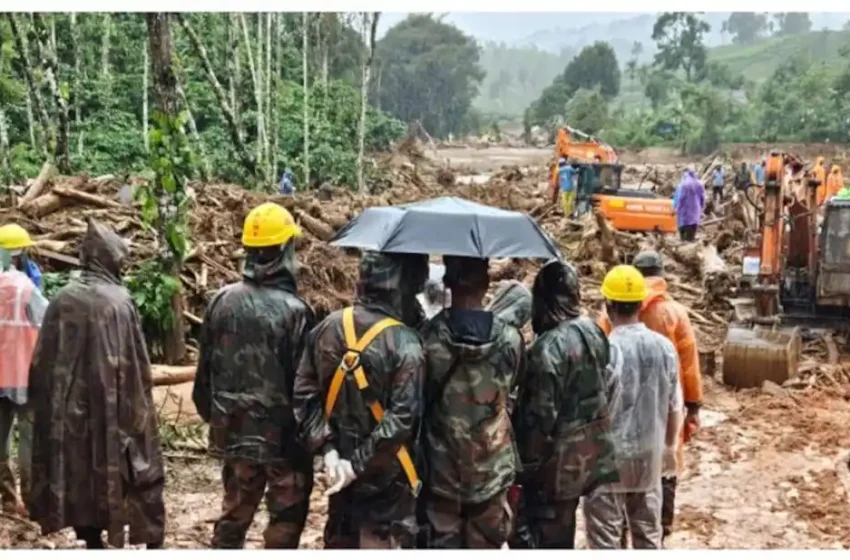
{"points": [[553, 525], [455, 525], [607, 513], [350, 527], [287, 490], [9, 411]]}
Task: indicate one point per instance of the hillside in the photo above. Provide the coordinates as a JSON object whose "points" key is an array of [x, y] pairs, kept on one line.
{"points": [[757, 62], [501, 94]]}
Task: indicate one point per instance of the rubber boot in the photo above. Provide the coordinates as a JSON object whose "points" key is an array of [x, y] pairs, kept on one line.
{"points": [[91, 536]]}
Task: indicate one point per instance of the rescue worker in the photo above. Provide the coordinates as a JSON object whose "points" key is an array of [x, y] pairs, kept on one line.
{"points": [[819, 174], [758, 173], [96, 458], [18, 242], [287, 182], [742, 177], [662, 314], [567, 185], [718, 180], [251, 343], [358, 403], [563, 420], [21, 312], [646, 416], [689, 203], [834, 183], [475, 360]]}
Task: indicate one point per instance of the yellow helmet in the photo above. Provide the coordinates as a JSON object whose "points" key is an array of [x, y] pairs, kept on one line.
{"points": [[624, 283], [268, 225], [14, 238]]}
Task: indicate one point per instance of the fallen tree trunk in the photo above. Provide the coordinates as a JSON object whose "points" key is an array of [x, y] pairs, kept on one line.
{"points": [[44, 176], [87, 198], [172, 375], [314, 226]]}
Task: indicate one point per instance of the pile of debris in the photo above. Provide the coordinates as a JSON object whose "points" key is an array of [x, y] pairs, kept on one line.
{"points": [[54, 210]]}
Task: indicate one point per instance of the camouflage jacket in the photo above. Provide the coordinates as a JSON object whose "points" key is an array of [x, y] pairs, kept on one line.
{"points": [[563, 421], [96, 459], [475, 359], [251, 343], [394, 365]]}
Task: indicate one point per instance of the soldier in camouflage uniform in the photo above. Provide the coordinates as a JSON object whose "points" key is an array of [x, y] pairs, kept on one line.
{"points": [[368, 461], [475, 359], [251, 343], [562, 420], [96, 459]]}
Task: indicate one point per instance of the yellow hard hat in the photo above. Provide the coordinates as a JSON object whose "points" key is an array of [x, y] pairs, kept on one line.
{"points": [[268, 225], [13, 237], [624, 283]]}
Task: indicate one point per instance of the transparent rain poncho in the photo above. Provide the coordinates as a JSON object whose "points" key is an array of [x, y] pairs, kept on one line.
{"points": [[644, 390]]}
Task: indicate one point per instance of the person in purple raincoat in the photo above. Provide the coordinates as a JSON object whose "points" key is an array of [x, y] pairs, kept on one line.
{"points": [[689, 202]]}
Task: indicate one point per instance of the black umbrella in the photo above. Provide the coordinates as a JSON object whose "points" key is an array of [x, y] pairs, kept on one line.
{"points": [[448, 226]]}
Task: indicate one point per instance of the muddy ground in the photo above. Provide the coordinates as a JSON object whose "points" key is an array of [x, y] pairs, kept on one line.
{"points": [[765, 471]]}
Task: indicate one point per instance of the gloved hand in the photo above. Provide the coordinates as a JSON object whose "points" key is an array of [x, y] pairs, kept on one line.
{"points": [[344, 476], [331, 466], [692, 425]]}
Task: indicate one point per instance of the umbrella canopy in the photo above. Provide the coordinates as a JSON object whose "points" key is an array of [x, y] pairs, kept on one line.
{"points": [[447, 226]]}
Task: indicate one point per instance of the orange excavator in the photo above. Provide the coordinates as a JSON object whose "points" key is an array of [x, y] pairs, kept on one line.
{"points": [[599, 185], [794, 276]]}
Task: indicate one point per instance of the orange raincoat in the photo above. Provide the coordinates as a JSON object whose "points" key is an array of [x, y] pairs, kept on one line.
{"points": [[835, 181], [660, 313], [819, 173]]}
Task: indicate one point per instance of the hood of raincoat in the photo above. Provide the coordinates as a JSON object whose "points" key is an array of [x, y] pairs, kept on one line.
{"points": [[389, 283], [656, 291], [819, 161], [279, 272], [102, 252], [556, 296], [512, 303]]}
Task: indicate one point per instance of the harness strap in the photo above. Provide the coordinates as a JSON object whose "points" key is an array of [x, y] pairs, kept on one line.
{"points": [[351, 364]]}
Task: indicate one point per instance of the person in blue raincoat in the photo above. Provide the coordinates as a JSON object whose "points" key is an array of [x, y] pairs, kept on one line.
{"points": [[287, 182], [566, 182]]}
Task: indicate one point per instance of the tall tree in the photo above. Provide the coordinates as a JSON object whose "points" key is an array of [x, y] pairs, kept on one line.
{"points": [[51, 70], [305, 41], [168, 185], [430, 73], [47, 133], [236, 136], [370, 27], [792, 23], [679, 38], [745, 27]]}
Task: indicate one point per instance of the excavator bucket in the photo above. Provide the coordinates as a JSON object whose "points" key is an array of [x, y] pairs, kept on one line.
{"points": [[753, 356]]}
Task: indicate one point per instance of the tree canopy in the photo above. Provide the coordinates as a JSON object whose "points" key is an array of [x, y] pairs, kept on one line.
{"points": [[745, 27], [428, 70]]}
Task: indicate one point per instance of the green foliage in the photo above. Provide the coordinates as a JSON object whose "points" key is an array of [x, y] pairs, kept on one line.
{"points": [[792, 23], [52, 282], [745, 27], [679, 39], [152, 291], [595, 67], [429, 71], [335, 115], [164, 203], [587, 110]]}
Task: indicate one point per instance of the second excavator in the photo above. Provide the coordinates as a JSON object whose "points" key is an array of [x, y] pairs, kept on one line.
{"points": [[796, 275], [599, 185]]}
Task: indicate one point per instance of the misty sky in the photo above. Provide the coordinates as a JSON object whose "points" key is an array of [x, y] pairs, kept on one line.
{"points": [[512, 27]]}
